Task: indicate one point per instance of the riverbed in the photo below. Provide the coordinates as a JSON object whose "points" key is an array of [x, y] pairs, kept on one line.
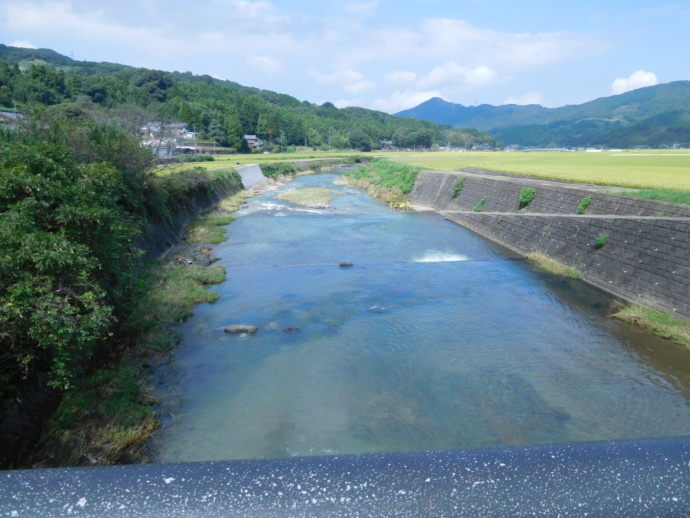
{"points": [[434, 338]]}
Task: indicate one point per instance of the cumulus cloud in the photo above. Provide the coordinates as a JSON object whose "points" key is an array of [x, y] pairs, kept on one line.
{"points": [[400, 77], [351, 81], [452, 72], [529, 98], [344, 103], [23, 44], [267, 65], [634, 81], [403, 99]]}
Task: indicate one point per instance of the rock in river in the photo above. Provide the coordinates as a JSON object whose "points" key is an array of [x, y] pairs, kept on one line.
{"points": [[240, 328]]}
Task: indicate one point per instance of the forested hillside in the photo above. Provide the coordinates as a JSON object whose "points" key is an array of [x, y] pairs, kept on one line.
{"points": [[220, 111], [653, 116]]}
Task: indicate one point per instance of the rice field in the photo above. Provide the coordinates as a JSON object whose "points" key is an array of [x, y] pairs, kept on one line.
{"points": [[644, 169], [663, 169]]}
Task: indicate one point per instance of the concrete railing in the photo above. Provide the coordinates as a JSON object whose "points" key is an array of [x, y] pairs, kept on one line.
{"points": [[607, 479]]}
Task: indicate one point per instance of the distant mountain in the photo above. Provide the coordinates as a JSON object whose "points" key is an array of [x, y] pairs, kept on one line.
{"points": [[647, 116]]}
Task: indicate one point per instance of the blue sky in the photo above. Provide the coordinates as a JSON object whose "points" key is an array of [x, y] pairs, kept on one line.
{"points": [[382, 54]]}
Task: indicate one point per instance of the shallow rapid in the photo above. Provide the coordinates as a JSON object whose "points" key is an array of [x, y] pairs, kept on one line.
{"points": [[434, 339]]}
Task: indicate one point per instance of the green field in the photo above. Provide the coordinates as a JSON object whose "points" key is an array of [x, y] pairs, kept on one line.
{"points": [[648, 169], [655, 169]]}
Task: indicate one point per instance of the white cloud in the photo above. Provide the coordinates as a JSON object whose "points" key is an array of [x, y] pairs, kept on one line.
{"points": [[403, 99], [457, 75], [344, 103], [359, 86], [267, 65], [400, 77], [351, 81], [23, 44], [529, 98], [634, 81]]}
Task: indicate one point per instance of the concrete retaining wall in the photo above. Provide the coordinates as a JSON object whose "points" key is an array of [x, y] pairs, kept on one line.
{"points": [[646, 258]]}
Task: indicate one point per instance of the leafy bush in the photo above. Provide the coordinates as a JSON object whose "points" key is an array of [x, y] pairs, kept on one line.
{"points": [[480, 205], [583, 205], [527, 194], [388, 174], [67, 256], [458, 184], [600, 241], [279, 168], [66, 230]]}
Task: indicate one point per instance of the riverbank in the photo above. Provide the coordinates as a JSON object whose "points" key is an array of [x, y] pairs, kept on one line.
{"points": [[110, 415], [637, 250]]}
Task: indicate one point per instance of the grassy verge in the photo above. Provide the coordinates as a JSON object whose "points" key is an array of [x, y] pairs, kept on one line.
{"points": [[313, 197], [384, 179], [110, 415], [682, 197], [552, 266], [657, 323]]}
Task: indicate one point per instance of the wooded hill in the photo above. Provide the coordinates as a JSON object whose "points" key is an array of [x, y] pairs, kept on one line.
{"points": [[220, 111], [654, 116]]}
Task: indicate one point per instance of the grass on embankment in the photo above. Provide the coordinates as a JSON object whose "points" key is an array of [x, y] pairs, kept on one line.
{"points": [[657, 323], [110, 415], [384, 179], [552, 266], [682, 197]]}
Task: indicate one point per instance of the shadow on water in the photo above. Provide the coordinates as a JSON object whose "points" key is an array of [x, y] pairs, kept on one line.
{"points": [[434, 339]]}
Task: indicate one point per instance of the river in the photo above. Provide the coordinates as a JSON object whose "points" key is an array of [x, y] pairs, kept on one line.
{"points": [[434, 339]]}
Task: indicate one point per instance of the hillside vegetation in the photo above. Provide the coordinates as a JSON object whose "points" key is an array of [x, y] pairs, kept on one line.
{"points": [[654, 116], [73, 195], [220, 111]]}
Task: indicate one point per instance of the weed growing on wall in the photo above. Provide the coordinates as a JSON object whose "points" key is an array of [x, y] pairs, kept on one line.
{"points": [[527, 194], [583, 205], [600, 241], [480, 205], [458, 185]]}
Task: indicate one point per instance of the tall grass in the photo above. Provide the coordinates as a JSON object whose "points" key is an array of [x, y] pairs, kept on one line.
{"points": [[384, 179], [657, 323], [682, 197]]}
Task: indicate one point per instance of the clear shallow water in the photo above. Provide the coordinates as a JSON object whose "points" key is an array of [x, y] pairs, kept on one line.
{"points": [[434, 339]]}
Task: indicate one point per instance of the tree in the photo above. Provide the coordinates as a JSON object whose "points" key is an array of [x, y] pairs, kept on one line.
{"points": [[218, 133], [359, 139], [5, 95]]}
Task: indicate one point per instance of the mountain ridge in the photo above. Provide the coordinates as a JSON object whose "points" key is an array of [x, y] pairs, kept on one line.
{"points": [[567, 125]]}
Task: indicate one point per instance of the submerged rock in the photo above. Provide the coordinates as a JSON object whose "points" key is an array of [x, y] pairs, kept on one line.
{"points": [[240, 328], [291, 329]]}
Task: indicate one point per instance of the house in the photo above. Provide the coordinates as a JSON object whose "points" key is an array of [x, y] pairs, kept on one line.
{"points": [[253, 141], [163, 147], [10, 118], [163, 129]]}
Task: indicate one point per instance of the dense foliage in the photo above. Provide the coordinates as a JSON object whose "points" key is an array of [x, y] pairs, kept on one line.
{"points": [[220, 111], [72, 197], [385, 179]]}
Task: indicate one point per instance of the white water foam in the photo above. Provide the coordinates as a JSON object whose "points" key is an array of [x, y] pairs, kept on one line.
{"points": [[440, 257]]}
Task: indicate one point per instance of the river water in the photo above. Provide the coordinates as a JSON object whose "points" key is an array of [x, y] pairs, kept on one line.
{"points": [[434, 339]]}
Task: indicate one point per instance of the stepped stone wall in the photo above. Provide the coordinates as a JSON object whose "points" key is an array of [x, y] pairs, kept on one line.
{"points": [[646, 258]]}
